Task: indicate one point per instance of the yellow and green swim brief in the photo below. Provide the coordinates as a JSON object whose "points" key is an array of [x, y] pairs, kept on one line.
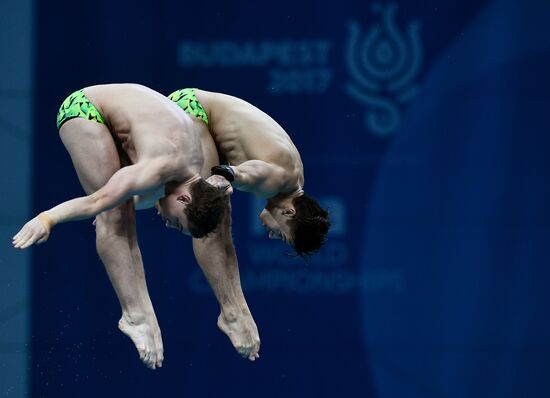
{"points": [[77, 105], [187, 100]]}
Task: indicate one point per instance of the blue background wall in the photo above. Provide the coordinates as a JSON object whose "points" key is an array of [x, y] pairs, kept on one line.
{"points": [[421, 125]]}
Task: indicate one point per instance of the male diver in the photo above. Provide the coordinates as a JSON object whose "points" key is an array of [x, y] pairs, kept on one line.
{"points": [[262, 159], [127, 140]]}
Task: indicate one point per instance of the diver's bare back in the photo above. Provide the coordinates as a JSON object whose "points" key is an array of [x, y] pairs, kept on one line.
{"points": [[244, 132], [148, 124]]}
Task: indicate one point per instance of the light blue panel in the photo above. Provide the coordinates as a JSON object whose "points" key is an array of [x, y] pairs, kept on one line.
{"points": [[16, 87]]}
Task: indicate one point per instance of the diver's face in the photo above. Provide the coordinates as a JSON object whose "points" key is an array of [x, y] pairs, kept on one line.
{"points": [[171, 209], [276, 222]]}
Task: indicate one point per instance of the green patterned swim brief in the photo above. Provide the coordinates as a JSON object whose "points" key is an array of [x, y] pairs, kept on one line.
{"points": [[77, 105], [187, 100]]}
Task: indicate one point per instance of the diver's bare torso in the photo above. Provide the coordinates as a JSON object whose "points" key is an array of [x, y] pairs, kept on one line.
{"points": [[243, 132], [147, 125]]}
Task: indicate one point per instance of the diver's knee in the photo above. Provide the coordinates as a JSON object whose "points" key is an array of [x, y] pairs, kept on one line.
{"points": [[111, 222]]}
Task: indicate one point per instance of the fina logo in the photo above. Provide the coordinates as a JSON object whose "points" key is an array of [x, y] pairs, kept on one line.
{"points": [[383, 65]]}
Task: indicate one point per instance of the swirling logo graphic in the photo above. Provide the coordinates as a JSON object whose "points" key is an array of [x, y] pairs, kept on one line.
{"points": [[383, 64]]}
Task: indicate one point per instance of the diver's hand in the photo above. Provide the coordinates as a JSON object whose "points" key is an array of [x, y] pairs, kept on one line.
{"points": [[36, 231], [221, 183]]}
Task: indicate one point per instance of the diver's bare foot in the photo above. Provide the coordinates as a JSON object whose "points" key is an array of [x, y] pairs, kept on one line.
{"points": [[146, 339], [243, 334]]}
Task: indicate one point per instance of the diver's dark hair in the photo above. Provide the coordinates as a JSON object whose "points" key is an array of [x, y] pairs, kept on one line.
{"points": [[206, 209], [309, 226]]}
